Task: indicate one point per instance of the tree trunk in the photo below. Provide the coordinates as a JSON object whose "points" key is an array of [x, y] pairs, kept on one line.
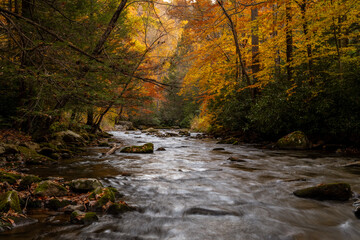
{"points": [[289, 41], [237, 45], [255, 67]]}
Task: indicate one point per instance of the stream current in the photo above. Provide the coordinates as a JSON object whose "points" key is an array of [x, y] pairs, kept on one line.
{"points": [[192, 192]]}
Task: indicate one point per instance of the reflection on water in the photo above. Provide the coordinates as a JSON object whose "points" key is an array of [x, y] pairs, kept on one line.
{"points": [[192, 192]]}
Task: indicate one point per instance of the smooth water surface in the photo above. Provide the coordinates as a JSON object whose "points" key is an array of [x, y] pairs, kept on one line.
{"points": [[191, 192]]}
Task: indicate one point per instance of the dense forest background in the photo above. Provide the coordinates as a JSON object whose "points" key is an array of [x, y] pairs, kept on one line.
{"points": [[259, 69]]}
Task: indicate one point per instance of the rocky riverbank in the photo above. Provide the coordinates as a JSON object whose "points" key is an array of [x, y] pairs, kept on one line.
{"points": [[21, 192]]}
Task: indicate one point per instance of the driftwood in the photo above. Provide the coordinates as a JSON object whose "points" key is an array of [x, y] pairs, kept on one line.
{"points": [[113, 149]]}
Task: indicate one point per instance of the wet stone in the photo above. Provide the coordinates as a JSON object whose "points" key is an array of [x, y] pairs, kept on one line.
{"points": [[333, 191]]}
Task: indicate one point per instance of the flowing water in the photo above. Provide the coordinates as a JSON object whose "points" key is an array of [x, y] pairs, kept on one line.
{"points": [[192, 192]]}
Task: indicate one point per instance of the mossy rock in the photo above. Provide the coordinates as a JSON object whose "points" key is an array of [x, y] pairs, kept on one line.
{"points": [[9, 177], [10, 200], [32, 157], [107, 194], [332, 191], [28, 180], [294, 140], [146, 148], [83, 218], [50, 188], [119, 208], [85, 184]]}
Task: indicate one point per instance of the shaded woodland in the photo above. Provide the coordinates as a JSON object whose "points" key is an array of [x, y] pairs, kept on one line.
{"points": [[260, 69]]}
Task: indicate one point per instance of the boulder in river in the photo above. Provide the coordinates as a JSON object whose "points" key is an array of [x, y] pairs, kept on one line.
{"points": [[161, 149], [146, 148], [332, 191], [294, 140], [10, 200], [50, 188], [85, 184]]}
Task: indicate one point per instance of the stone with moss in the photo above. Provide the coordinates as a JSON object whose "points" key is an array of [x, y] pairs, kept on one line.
{"points": [[85, 184], [108, 196], [83, 218], [332, 191], [103, 196], [10, 200], [27, 181], [146, 148], [10, 178], [294, 140], [32, 157], [10, 148], [50, 188], [119, 208]]}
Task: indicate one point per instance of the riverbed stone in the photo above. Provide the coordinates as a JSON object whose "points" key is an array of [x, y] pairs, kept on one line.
{"points": [[332, 191], [161, 149], [85, 184], [10, 200], [294, 140], [146, 148], [50, 188]]}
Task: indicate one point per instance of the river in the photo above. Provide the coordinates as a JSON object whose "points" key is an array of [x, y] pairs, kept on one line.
{"points": [[192, 192]]}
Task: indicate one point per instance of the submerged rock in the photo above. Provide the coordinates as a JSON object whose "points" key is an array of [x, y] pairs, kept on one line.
{"points": [[50, 188], [218, 149], [85, 184], [332, 191], [146, 148], [120, 207], [10, 200], [161, 149], [294, 140], [236, 159]]}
